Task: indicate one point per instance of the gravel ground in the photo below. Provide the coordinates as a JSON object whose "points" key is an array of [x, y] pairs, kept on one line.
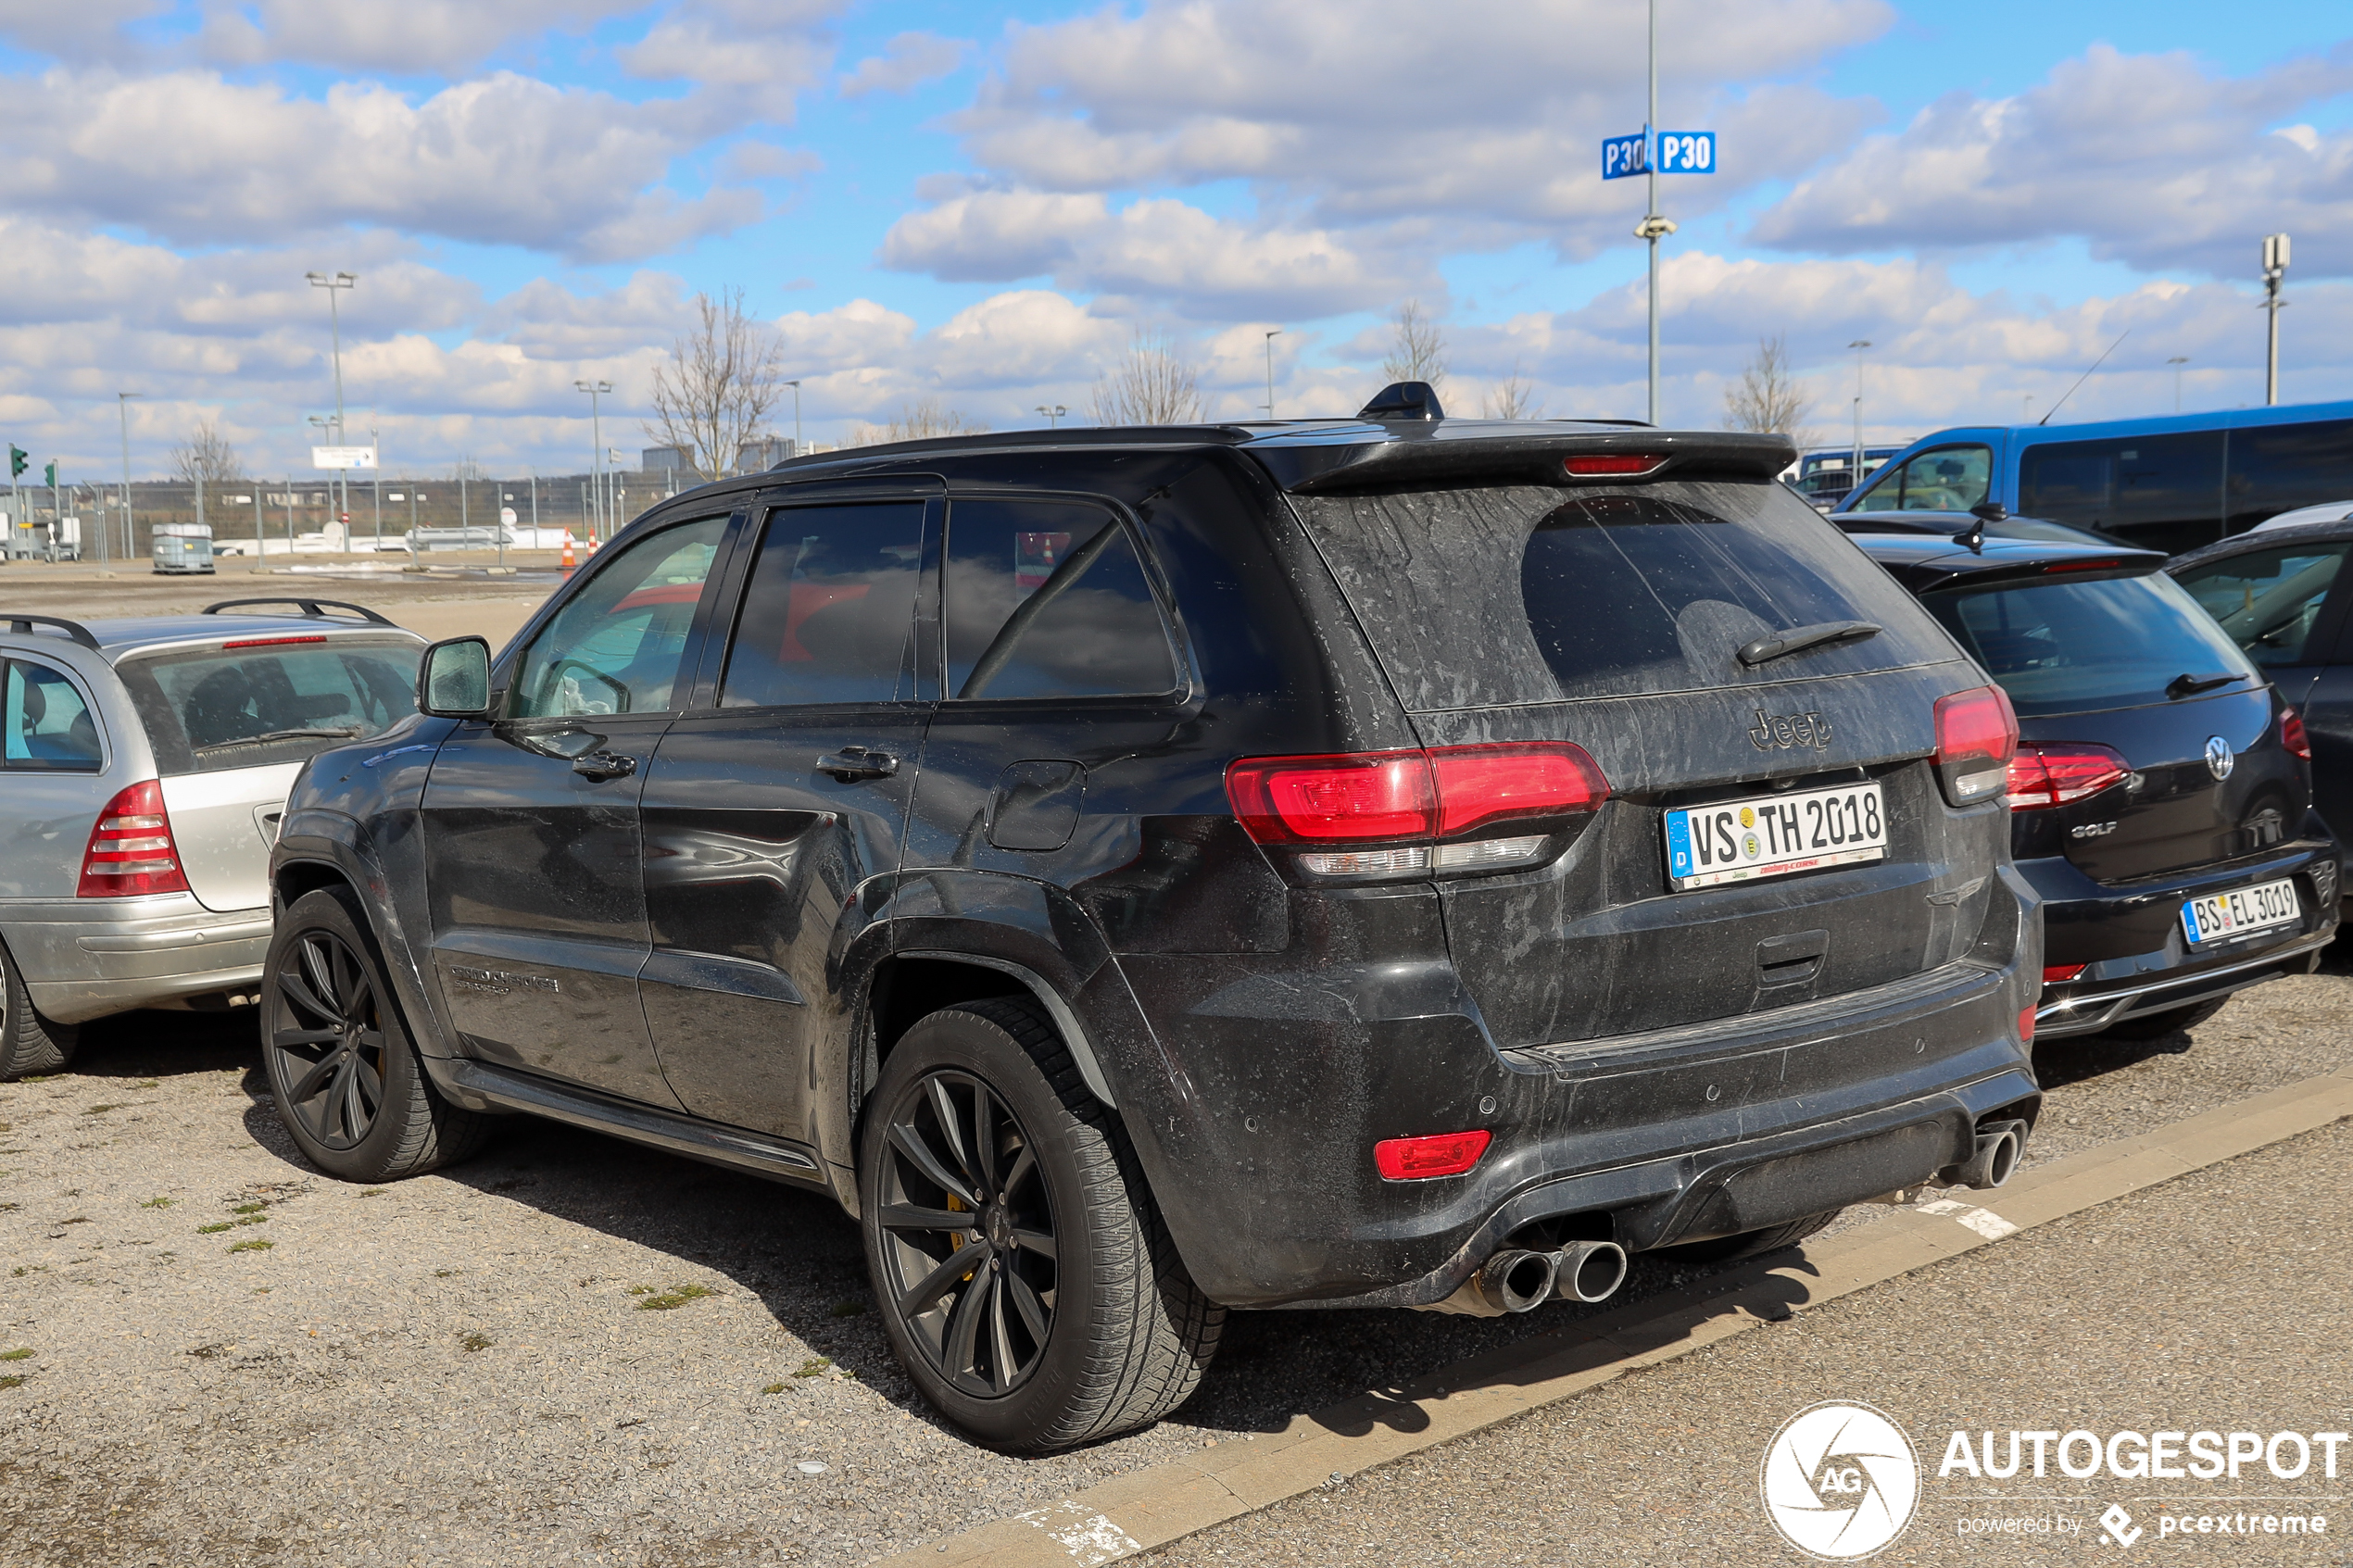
{"points": [[2214, 1302], [570, 1350]]}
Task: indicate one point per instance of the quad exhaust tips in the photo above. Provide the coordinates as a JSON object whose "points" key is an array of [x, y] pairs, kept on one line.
{"points": [[1998, 1146], [1517, 1280]]}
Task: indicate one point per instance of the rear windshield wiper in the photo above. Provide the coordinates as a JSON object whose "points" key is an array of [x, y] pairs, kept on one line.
{"points": [[1764, 650], [2181, 686], [344, 733]]}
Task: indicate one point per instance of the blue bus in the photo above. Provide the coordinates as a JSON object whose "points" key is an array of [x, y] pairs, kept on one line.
{"points": [[2171, 483]]}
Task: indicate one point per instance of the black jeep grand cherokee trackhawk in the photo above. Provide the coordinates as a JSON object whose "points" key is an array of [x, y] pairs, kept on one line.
{"points": [[1141, 873]]}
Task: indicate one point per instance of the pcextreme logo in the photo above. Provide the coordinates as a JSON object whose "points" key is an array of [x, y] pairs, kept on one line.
{"points": [[1840, 1480]]}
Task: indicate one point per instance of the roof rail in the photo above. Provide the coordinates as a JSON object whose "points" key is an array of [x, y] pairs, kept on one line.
{"points": [[308, 607], [23, 625]]}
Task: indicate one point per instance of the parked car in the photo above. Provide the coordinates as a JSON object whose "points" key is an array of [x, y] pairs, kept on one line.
{"points": [[1825, 476], [2171, 483], [2283, 596], [1995, 523], [2160, 799], [1144, 872], [2327, 511], [146, 763]]}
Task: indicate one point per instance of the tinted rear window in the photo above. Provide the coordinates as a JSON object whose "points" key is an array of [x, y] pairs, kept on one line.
{"points": [[2072, 648], [207, 710], [1476, 597]]}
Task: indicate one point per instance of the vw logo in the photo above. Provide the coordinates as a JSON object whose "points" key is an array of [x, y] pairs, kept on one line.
{"points": [[1840, 1480], [2219, 759]]}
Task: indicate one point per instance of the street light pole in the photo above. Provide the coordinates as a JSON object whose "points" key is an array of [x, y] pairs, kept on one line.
{"points": [[1653, 227], [334, 286], [1855, 476], [122, 412], [1053, 413], [796, 417], [1270, 370], [2274, 269], [596, 389], [2177, 362]]}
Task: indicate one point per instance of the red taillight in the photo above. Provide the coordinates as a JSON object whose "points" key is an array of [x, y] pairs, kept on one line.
{"points": [[1323, 799], [2053, 973], [2043, 776], [2026, 1026], [1441, 792], [1438, 1154], [2082, 566], [131, 850], [269, 642], [1976, 737], [1612, 465], [2292, 736]]}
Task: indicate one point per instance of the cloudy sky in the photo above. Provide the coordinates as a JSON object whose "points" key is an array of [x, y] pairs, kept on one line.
{"points": [[982, 204]]}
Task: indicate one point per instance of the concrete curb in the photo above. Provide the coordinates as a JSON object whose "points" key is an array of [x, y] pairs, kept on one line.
{"points": [[1149, 1508]]}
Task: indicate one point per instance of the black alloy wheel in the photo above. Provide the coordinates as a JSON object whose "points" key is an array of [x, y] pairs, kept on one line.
{"points": [[327, 1042], [967, 1222]]}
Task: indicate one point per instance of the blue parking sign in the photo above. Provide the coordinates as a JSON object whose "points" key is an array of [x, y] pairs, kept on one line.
{"points": [[1687, 152], [1622, 156]]}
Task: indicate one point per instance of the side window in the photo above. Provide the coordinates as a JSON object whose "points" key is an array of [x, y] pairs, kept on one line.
{"points": [[2275, 468], [830, 614], [2269, 600], [1948, 479], [1048, 598], [617, 645], [45, 724], [2162, 492]]}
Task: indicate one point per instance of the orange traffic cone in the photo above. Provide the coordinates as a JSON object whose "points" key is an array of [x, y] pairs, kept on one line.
{"points": [[592, 547], [567, 562]]}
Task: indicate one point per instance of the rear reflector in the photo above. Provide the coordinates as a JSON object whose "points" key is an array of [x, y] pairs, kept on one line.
{"points": [[2043, 776], [2053, 973], [1441, 792], [1436, 1154], [1976, 737], [2026, 1026], [131, 850], [1612, 465], [2292, 736], [269, 642]]}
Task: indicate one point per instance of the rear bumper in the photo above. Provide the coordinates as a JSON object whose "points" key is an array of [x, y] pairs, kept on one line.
{"points": [[83, 959], [2138, 959]]}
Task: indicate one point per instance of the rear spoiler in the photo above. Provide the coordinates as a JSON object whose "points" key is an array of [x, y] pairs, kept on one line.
{"points": [[1363, 455]]}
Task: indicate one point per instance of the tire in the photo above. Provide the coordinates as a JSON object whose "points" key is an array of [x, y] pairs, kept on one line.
{"points": [[1749, 1244], [1077, 1320], [2155, 1025], [28, 1043], [342, 1072]]}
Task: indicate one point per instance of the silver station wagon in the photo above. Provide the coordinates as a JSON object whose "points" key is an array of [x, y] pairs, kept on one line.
{"points": [[143, 764]]}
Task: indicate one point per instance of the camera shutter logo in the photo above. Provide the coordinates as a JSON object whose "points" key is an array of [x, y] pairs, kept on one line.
{"points": [[1840, 1480]]}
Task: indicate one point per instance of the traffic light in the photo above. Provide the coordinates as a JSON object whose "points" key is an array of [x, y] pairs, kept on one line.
{"points": [[17, 459], [49, 476]]}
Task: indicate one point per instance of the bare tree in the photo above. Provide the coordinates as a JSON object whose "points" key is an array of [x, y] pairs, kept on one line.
{"points": [[1768, 396], [1150, 386], [711, 399], [468, 469], [1513, 398], [918, 421], [206, 457], [1418, 352]]}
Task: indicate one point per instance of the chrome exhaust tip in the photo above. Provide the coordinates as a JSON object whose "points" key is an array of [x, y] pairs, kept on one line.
{"points": [[1515, 1280], [1999, 1144], [1589, 1271]]}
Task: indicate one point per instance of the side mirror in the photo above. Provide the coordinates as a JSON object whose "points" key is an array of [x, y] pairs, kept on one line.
{"points": [[453, 681]]}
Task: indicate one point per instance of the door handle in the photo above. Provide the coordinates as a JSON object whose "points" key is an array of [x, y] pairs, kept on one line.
{"points": [[599, 766], [852, 763]]}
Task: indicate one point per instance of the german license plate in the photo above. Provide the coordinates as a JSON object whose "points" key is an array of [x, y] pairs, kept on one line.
{"points": [[1774, 835], [2221, 916]]}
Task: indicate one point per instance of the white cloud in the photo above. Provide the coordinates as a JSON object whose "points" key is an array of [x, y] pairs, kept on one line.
{"points": [[195, 158], [1162, 249], [906, 63], [84, 30], [2154, 160], [448, 36]]}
